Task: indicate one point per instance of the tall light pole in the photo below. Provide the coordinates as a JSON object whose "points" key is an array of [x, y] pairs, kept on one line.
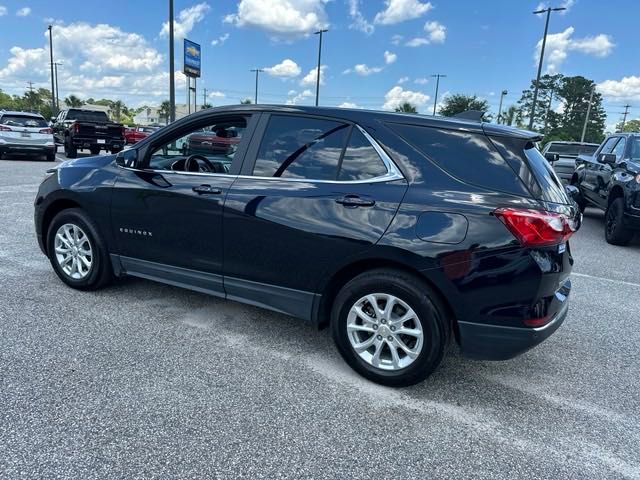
{"points": [[172, 80], [258, 71], [53, 93], [586, 119], [55, 66], [502, 94], [544, 43], [319, 32], [437, 76]]}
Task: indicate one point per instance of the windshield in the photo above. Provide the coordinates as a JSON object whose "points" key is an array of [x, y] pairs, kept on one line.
{"points": [[24, 121], [635, 148], [573, 150], [87, 116]]}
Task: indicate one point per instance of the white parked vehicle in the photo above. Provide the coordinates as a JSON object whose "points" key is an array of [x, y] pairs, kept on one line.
{"points": [[26, 133]]}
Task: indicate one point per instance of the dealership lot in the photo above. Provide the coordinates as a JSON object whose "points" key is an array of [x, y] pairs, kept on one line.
{"points": [[143, 380]]}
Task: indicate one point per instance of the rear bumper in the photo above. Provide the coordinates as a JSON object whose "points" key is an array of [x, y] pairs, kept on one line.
{"points": [[495, 342], [25, 148], [109, 143]]}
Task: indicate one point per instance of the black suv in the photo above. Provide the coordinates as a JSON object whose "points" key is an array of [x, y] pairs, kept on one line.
{"points": [[399, 231], [610, 180]]}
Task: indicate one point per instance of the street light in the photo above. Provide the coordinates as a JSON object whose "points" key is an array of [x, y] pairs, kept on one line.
{"points": [[319, 32], [437, 76], [55, 66], [544, 43], [502, 94], [172, 91], [53, 93], [257, 70]]}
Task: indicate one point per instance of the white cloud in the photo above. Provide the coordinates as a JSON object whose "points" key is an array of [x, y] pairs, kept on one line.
{"points": [[311, 77], [3, 10], [348, 105], [398, 95], [23, 12], [295, 98], [111, 62], [402, 80], [389, 57], [421, 81], [396, 39], [220, 40], [358, 21], [283, 17], [417, 42], [397, 11], [566, 4], [436, 33], [626, 89], [216, 94], [560, 44], [364, 70], [187, 19], [285, 69]]}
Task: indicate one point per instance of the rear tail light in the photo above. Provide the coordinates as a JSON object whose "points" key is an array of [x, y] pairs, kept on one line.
{"points": [[4, 129], [537, 322], [534, 228], [76, 128], [46, 130], [123, 131]]}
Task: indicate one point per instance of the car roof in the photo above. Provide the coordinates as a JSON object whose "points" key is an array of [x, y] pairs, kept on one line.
{"points": [[565, 142], [24, 114], [624, 134], [360, 116]]}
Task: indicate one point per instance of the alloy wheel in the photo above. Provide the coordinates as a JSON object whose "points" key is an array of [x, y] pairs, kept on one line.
{"points": [[385, 331], [73, 251]]}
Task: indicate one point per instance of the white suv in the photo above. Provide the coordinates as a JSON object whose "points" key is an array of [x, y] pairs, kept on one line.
{"points": [[26, 133]]}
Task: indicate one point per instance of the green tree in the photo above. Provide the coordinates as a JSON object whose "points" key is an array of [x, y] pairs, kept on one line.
{"points": [[116, 109], [165, 111], [458, 103], [406, 107], [510, 116], [205, 106], [629, 126], [246, 101], [73, 101], [544, 115]]}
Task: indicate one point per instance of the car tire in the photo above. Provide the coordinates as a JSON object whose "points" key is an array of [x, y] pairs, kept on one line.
{"points": [[427, 324], [614, 230], [70, 150], [51, 157], [95, 150], [72, 233]]}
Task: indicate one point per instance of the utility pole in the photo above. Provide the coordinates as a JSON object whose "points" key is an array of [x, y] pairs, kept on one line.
{"points": [[53, 93], [544, 43], [586, 119], [172, 92], [437, 76], [624, 118], [257, 70], [546, 117], [502, 94], [319, 32], [31, 95], [55, 67]]}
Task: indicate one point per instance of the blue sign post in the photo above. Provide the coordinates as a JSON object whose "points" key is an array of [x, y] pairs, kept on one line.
{"points": [[192, 59]]}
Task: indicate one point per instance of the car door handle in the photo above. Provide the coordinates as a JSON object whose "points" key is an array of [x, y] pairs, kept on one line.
{"points": [[355, 201], [206, 190]]}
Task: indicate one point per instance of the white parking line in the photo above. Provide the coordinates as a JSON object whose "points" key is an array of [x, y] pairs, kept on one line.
{"points": [[622, 282]]}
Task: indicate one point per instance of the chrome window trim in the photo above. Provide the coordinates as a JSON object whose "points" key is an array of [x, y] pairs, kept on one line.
{"points": [[393, 172]]}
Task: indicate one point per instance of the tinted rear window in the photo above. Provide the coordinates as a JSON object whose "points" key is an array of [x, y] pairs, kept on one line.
{"points": [[470, 157], [87, 116], [23, 121], [573, 150]]}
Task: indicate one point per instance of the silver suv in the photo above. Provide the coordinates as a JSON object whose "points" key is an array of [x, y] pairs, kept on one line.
{"points": [[26, 133]]}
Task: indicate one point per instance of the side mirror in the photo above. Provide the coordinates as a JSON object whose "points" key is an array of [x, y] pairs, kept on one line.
{"points": [[608, 158], [127, 158], [572, 191], [551, 157], [53, 119]]}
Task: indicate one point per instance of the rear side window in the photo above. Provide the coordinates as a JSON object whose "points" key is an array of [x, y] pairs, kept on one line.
{"points": [[470, 157], [300, 147], [360, 161]]}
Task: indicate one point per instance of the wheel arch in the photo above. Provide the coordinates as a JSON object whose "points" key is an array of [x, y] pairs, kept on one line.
{"points": [[616, 192], [51, 211], [340, 278]]}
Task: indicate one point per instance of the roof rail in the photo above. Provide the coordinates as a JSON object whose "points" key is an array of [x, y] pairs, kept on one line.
{"points": [[474, 115]]}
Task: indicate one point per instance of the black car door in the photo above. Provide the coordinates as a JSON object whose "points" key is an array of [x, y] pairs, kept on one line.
{"points": [[167, 213], [313, 193], [592, 181]]}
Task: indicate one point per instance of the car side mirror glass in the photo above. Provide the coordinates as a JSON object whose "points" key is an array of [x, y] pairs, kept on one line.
{"points": [[608, 158], [127, 158], [551, 157], [572, 192]]}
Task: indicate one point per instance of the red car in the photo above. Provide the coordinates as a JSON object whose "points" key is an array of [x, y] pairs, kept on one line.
{"points": [[135, 134], [219, 140]]}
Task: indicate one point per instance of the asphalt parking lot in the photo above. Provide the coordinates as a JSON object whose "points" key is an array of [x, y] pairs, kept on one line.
{"points": [[142, 380]]}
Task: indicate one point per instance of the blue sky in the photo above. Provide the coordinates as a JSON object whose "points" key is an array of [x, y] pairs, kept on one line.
{"points": [[376, 53]]}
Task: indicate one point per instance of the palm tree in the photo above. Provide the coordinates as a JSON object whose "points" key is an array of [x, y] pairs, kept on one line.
{"points": [[73, 101], [116, 109], [164, 111], [509, 115], [406, 107]]}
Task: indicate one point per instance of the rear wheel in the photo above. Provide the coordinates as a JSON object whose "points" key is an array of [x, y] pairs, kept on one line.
{"points": [[51, 157], [77, 252], [70, 150], [95, 150], [614, 230], [390, 327]]}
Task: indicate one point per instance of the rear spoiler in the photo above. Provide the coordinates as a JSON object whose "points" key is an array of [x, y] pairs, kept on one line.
{"points": [[474, 115]]}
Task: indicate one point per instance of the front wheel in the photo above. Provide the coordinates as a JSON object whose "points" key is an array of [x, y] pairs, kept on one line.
{"points": [[614, 230], [77, 252], [390, 327]]}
